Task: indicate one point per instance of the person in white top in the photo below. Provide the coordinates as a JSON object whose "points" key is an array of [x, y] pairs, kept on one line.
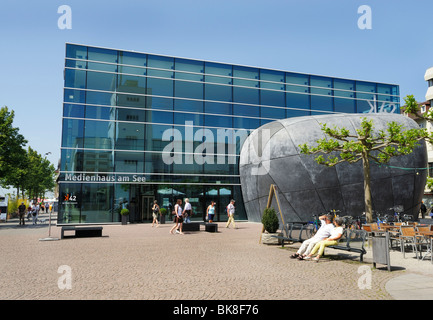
{"points": [[323, 232], [187, 211], [332, 240], [231, 214]]}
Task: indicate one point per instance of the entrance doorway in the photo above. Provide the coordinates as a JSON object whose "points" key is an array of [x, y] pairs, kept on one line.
{"points": [[146, 208]]}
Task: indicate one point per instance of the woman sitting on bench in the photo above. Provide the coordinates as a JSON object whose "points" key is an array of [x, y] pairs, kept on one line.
{"points": [[332, 240]]}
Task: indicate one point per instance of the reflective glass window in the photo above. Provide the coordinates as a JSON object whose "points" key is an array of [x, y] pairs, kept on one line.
{"points": [[75, 78], [73, 110], [98, 161], [159, 103], [102, 98], [97, 203], [185, 89], [76, 51], [246, 110], [160, 87], [104, 113], [102, 66], [220, 80], [272, 79], [321, 82], [154, 163], [132, 70], [79, 64], [193, 70], [218, 92], [218, 69], [321, 103], [273, 113], [103, 55], [297, 100], [245, 123], [69, 212], [246, 95], [363, 106], [344, 105], [130, 136], [72, 135], [101, 81], [72, 160], [218, 121], [129, 161], [159, 117], [132, 84], [183, 117], [365, 87], [131, 100], [133, 58], [136, 115], [218, 108], [188, 105], [154, 135], [272, 98], [296, 78], [71, 95], [241, 74], [98, 134]]}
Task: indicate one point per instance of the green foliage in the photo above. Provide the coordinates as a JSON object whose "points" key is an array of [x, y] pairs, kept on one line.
{"points": [[163, 211], [124, 212], [270, 220]]}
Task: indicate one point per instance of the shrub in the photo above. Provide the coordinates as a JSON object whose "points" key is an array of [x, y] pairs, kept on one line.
{"points": [[270, 220], [124, 212], [163, 211]]}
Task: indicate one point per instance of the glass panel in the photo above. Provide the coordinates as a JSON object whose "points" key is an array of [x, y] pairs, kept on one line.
{"points": [[321, 82], [154, 163], [272, 98], [130, 136], [296, 78], [132, 70], [218, 108], [159, 103], [73, 110], [102, 66], [300, 101], [245, 73], [218, 92], [97, 204], [160, 87], [160, 62], [221, 80], [72, 160], [245, 95], [321, 103], [246, 123], [101, 81], [365, 87], [131, 115], [72, 133], [190, 67], [272, 76], [74, 51], [129, 162], [154, 135], [363, 106], [218, 121], [344, 105], [69, 211], [98, 134], [103, 113], [103, 55], [71, 95], [159, 117], [76, 64], [343, 84], [245, 110], [188, 105], [133, 58], [132, 84], [182, 118], [273, 113], [98, 161], [185, 89], [131, 100], [218, 69], [75, 78], [102, 98]]}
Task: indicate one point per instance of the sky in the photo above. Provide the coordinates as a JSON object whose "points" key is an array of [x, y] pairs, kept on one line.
{"points": [[308, 36]]}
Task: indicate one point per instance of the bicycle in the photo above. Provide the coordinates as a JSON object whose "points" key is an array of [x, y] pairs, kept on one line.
{"points": [[313, 226]]}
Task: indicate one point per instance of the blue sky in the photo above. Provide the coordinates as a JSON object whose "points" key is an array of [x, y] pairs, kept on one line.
{"points": [[310, 36]]}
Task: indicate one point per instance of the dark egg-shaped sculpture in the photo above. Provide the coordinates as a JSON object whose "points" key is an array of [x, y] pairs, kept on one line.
{"points": [[271, 156]]}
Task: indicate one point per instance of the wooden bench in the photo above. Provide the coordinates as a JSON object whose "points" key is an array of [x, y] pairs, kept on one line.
{"points": [[292, 232], [352, 241], [81, 231]]}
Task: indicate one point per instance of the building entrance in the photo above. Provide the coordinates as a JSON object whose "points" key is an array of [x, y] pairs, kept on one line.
{"points": [[146, 208]]}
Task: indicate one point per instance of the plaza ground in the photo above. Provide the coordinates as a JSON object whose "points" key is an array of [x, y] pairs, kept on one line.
{"points": [[141, 262]]}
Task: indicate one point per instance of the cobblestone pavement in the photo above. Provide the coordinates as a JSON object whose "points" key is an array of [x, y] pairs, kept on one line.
{"points": [[138, 261]]}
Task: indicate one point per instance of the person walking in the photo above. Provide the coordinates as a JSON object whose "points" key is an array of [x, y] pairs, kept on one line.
{"points": [[187, 211], [179, 218], [21, 212], [231, 214], [35, 213], [155, 213], [423, 209], [210, 212]]}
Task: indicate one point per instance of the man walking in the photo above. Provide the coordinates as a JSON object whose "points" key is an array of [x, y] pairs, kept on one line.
{"points": [[231, 214], [21, 212]]}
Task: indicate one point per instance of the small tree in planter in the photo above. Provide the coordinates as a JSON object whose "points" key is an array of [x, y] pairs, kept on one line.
{"points": [[162, 214], [124, 213], [271, 224]]}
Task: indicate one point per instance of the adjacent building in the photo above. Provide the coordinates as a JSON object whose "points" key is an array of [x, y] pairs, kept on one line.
{"points": [[141, 127]]}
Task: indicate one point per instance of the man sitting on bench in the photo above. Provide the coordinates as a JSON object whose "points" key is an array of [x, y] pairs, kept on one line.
{"points": [[323, 232]]}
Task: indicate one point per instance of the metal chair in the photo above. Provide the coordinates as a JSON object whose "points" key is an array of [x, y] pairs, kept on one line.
{"points": [[408, 235]]}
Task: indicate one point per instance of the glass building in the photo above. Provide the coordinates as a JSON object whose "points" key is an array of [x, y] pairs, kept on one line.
{"points": [[142, 127]]}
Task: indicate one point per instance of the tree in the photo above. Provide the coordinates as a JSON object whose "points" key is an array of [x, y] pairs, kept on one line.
{"points": [[12, 153], [365, 146]]}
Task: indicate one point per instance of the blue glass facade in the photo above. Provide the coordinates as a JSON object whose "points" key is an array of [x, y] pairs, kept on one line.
{"points": [[141, 127]]}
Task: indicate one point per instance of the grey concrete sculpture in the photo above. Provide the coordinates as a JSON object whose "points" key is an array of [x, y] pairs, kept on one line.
{"points": [[306, 188]]}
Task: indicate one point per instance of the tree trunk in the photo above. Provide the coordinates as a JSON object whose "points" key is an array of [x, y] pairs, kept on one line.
{"points": [[367, 188]]}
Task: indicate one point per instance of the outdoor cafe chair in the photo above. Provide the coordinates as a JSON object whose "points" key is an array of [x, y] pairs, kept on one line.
{"points": [[408, 235]]}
